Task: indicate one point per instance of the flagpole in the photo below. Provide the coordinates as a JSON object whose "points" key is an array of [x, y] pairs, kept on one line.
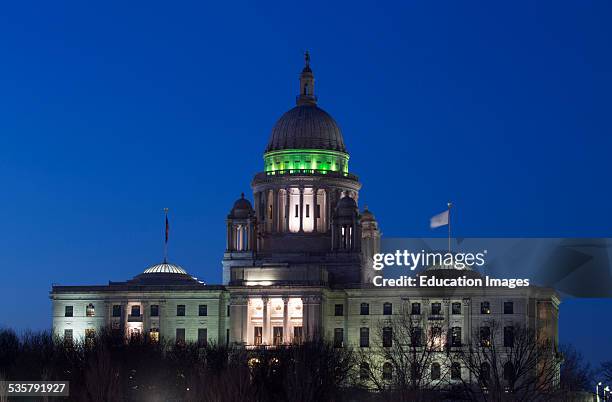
{"points": [[166, 237], [449, 225]]}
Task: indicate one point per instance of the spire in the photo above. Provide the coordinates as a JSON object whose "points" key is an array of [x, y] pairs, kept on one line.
{"points": [[166, 237], [306, 96]]}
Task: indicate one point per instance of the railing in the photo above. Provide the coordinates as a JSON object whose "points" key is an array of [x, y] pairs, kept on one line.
{"points": [[302, 172], [135, 318]]}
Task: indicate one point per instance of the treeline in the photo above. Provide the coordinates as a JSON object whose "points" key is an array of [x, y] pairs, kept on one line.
{"points": [[109, 367]]}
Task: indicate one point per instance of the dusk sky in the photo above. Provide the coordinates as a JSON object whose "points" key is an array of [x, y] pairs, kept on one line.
{"points": [[112, 112]]}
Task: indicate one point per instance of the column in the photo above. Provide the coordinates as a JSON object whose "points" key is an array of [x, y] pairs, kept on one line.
{"points": [[327, 210], [266, 320], [315, 324], [287, 199], [286, 337], [305, 318], [315, 202], [275, 220], [301, 209], [238, 319]]}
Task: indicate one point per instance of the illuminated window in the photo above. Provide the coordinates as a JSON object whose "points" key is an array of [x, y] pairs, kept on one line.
{"points": [[154, 310], [180, 335], [68, 311], [387, 337], [456, 336], [485, 307], [203, 310], [387, 308], [485, 336], [436, 308], [202, 336], [154, 334], [180, 310], [456, 307], [364, 337], [90, 310], [258, 336], [508, 307], [90, 334], [297, 334], [365, 309], [277, 339], [338, 337], [339, 310], [136, 311], [416, 309], [116, 310]]}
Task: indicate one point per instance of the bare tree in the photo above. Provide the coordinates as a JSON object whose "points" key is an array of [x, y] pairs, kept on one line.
{"points": [[509, 363], [576, 374], [407, 360], [606, 370]]}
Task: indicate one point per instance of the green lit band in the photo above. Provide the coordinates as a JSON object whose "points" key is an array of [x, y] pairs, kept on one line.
{"points": [[320, 160]]}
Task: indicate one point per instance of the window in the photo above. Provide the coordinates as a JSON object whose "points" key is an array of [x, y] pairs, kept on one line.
{"points": [[387, 308], [485, 374], [154, 334], [134, 332], [365, 309], [297, 211], [339, 310], [116, 310], [68, 337], [364, 337], [509, 372], [228, 310], [416, 336], [485, 308], [456, 336], [180, 335], [202, 336], [318, 211], [136, 310], [154, 310], [508, 337], [508, 307], [485, 336], [297, 334], [436, 308], [308, 210], [436, 337], [258, 336], [180, 310], [455, 371], [338, 337], [203, 310], [387, 337], [435, 371], [68, 311], [90, 334], [227, 336], [416, 309], [364, 371], [387, 371], [456, 307], [278, 336], [90, 310]]}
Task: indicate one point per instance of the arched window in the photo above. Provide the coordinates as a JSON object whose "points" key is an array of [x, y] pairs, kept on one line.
{"points": [[435, 371], [485, 374], [387, 371], [306, 89], [90, 310], [455, 371]]}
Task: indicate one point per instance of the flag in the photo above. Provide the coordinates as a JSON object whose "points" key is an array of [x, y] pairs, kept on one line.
{"points": [[167, 228], [439, 220]]}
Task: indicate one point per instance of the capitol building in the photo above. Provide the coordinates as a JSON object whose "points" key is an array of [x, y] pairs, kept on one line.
{"points": [[297, 264]]}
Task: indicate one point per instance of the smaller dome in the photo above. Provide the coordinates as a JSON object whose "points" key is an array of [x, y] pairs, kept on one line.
{"points": [[367, 216], [242, 208], [165, 268]]}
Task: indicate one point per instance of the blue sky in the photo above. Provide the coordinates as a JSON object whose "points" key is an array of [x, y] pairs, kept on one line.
{"points": [[111, 112]]}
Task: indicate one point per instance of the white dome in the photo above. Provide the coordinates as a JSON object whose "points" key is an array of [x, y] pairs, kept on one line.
{"points": [[165, 268]]}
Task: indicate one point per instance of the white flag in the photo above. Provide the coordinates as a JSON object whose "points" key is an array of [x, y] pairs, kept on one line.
{"points": [[439, 220]]}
